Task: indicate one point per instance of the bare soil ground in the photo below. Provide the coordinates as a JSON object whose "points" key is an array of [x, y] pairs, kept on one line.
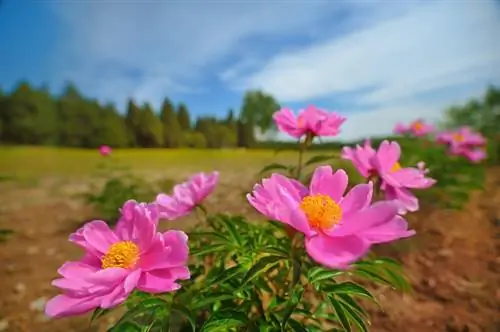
{"points": [[453, 263]]}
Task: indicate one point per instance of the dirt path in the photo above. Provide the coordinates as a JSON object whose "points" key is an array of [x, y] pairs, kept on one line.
{"points": [[454, 270], [453, 264]]}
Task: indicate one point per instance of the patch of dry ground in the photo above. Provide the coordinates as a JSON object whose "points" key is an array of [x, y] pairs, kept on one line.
{"points": [[453, 264]]}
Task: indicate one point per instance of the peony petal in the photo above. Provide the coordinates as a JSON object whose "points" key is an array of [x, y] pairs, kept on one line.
{"points": [[158, 281], [325, 182], [336, 252], [109, 276], [64, 306], [358, 198], [131, 280], [395, 229], [98, 234], [387, 156], [355, 223]]}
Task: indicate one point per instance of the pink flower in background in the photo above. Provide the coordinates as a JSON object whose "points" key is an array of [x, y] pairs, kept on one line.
{"points": [[311, 121], [416, 128], [396, 181], [463, 137], [133, 256], [400, 129], [361, 157], [105, 150], [186, 196], [464, 142], [339, 228], [473, 154]]}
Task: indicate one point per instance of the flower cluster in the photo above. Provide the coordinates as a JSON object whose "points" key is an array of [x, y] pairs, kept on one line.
{"points": [[338, 225], [462, 142], [133, 255], [383, 164]]}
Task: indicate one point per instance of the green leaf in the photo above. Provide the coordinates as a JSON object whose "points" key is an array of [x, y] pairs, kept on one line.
{"points": [[348, 288], [207, 235], [186, 313], [212, 298], [260, 267], [317, 274], [98, 313], [142, 307], [354, 316], [276, 251], [224, 320], [208, 249], [319, 159], [273, 166], [292, 304], [296, 326], [232, 231], [339, 312]]}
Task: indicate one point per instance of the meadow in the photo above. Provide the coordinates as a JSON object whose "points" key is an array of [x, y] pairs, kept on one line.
{"points": [[451, 264]]}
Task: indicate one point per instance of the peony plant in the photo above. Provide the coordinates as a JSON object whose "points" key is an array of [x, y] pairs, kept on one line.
{"points": [[303, 269]]}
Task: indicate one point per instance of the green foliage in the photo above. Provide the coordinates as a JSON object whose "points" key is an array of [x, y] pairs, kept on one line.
{"points": [[119, 187], [183, 117], [456, 177], [482, 114], [252, 277], [172, 131], [194, 139], [258, 109]]}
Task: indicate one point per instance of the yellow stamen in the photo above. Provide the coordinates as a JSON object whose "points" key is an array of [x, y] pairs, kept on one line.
{"points": [[418, 126], [458, 138], [321, 211], [124, 254], [396, 167]]}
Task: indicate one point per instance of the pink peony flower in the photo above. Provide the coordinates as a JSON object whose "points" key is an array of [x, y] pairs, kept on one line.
{"points": [[339, 229], [105, 150], [186, 196], [311, 121], [464, 142], [396, 181], [464, 136], [416, 128], [133, 256], [361, 157]]}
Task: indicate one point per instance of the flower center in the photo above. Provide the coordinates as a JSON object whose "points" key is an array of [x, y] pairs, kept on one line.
{"points": [[396, 167], [300, 121], [321, 211], [122, 254], [418, 126], [458, 138]]}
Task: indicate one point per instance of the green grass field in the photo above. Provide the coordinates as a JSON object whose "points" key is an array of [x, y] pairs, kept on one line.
{"points": [[36, 162]]}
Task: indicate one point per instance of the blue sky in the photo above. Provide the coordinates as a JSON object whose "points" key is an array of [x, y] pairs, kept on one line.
{"points": [[377, 62]]}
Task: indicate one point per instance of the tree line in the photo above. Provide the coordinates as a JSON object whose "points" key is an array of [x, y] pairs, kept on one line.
{"points": [[32, 116]]}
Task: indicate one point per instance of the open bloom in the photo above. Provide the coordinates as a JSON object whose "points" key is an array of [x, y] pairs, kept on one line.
{"points": [[339, 228], [416, 128], [186, 196], [464, 142], [311, 121], [105, 150], [132, 256], [464, 136], [396, 181]]}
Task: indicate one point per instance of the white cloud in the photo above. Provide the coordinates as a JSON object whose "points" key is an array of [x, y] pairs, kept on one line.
{"points": [[390, 65], [171, 42]]}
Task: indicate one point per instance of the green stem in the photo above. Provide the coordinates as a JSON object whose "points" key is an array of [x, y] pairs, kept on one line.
{"points": [[302, 148]]}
